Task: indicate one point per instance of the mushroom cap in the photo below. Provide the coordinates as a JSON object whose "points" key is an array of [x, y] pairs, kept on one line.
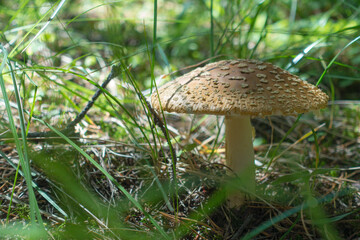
{"points": [[239, 87]]}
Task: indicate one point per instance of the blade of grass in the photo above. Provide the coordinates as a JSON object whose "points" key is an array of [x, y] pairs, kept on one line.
{"points": [[13, 51], [154, 38], [46, 24], [306, 135], [21, 146], [282, 140], [173, 155], [317, 148], [33, 103], [13, 189], [251, 31], [334, 58], [153, 83], [262, 33], [212, 50], [216, 140], [26, 162], [290, 228]]}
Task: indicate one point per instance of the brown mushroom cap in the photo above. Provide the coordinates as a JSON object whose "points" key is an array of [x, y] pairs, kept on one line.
{"points": [[239, 87]]}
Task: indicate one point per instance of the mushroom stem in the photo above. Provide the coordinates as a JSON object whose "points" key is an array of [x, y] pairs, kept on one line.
{"points": [[239, 150]]}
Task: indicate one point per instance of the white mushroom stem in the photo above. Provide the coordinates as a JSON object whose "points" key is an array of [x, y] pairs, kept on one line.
{"points": [[239, 149]]}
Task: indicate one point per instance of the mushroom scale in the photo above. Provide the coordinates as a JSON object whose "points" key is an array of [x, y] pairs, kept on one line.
{"points": [[239, 87]]}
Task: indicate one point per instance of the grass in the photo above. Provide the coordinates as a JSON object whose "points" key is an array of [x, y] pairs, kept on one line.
{"points": [[123, 177]]}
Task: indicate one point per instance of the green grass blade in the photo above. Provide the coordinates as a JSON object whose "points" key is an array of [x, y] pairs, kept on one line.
{"points": [[212, 50], [334, 58], [32, 105], [153, 83], [13, 189], [20, 145], [13, 51], [46, 24], [25, 164], [282, 140]]}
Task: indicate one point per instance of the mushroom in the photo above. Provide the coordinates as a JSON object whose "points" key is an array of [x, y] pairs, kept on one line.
{"points": [[239, 89]]}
